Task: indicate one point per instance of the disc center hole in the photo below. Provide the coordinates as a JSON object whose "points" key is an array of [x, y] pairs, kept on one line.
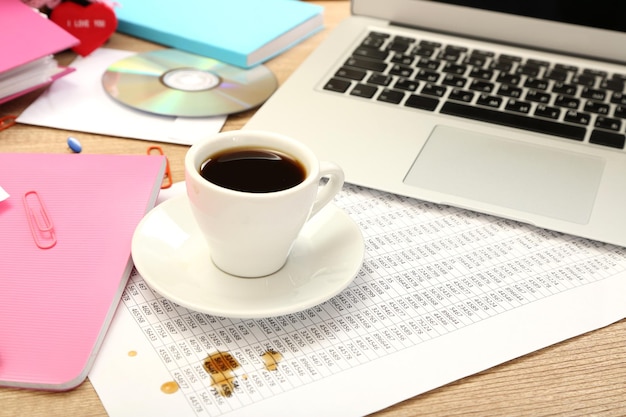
{"points": [[190, 79]]}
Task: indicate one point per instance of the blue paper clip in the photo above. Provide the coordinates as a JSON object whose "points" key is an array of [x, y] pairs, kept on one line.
{"points": [[39, 221]]}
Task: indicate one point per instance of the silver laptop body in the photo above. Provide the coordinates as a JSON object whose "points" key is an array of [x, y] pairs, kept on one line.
{"points": [[460, 138]]}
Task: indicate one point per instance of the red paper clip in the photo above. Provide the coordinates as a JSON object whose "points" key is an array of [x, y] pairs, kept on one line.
{"points": [[39, 221], [167, 177], [7, 121]]}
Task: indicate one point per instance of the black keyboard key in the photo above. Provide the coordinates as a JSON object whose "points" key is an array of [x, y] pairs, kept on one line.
{"points": [[618, 98], [430, 44], [620, 111], [566, 101], [514, 120], [486, 54], [489, 100], [593, 94], [457, 69], [548, 112], [536, 83], [613, 84], [374, 42], [423, 51], [422, 102], [391, 96], [461, 95], [453, 53], [364, 90], [477, 61], [380, 35], [401, 70], [538, 96], [380, 79], [427, 75], [483, 86], [595, 73], [556, 74], [608, 123], [402, 59], [529, 70], [398, 45], [509, 58], [598, 108], [562, 88], [403, 39], [367, 64], [537, 62], [507, 78], [351, 73], [577, 117], [449, 55], [405, 84], [584, 79], [430, 64], [456, 48], [509, 91], [518, 106], [613, 140], [483, 74], [566, 67], [454, 80], [504, 66], [337, 85], [434, 90], [371, 53]]}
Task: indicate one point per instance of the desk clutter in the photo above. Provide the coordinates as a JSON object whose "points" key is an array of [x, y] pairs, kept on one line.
{"points": [[238, 33]]}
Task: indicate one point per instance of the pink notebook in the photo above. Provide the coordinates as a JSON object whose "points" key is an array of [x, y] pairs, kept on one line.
{"points": [[27, 36], [65, 235]]}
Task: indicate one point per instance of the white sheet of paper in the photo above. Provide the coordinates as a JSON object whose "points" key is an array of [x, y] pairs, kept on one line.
{"points": [[78, 102], [443, 293]]}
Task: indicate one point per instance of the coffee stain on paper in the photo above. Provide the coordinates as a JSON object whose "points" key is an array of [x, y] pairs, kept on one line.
{"points": [[221, 367], [271, 358], [169, 387]]}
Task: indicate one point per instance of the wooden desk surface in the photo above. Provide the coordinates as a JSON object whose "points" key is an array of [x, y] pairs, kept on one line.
{"points": [[581, 376]]}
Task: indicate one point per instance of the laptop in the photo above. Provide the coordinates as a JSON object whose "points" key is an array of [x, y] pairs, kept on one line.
{"points": [[515, 109]]}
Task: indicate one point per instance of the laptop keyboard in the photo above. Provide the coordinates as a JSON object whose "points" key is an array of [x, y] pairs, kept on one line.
{"points": [[581, 104]]}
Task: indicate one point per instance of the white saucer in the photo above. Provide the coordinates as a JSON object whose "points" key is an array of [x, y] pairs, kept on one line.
{"points": [[173, 258]]}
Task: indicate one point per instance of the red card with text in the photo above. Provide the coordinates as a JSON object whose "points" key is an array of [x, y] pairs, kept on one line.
{"points": [[93, 24]]}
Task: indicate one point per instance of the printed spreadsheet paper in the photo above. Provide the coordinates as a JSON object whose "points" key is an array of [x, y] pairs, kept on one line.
{"points": [[443, 293]]}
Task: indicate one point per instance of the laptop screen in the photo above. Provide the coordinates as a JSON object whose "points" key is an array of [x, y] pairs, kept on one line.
{"points": [[603, 14]]}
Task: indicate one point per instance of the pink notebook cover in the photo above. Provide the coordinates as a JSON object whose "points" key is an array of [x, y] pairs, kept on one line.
{"points": [[65, 236], [26, 36]]}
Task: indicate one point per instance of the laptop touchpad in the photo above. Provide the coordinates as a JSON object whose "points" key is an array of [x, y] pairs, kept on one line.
{"points": [[507, 173]]}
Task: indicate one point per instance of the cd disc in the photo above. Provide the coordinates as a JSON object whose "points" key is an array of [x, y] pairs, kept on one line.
{"points": [[175, 83]]}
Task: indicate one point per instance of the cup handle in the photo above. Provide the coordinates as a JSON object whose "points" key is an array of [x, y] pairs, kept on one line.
{"points": [[325, 194]]}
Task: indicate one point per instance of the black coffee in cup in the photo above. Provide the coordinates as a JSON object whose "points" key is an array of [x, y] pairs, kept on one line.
{"points": [[253, 170]]}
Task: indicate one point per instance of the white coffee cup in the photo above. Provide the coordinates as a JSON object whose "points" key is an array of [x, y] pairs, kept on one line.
{"points": [[250, 234]]}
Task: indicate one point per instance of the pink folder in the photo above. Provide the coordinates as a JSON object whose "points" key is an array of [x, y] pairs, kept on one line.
{"points": [[65, 236], [26, 36]]}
